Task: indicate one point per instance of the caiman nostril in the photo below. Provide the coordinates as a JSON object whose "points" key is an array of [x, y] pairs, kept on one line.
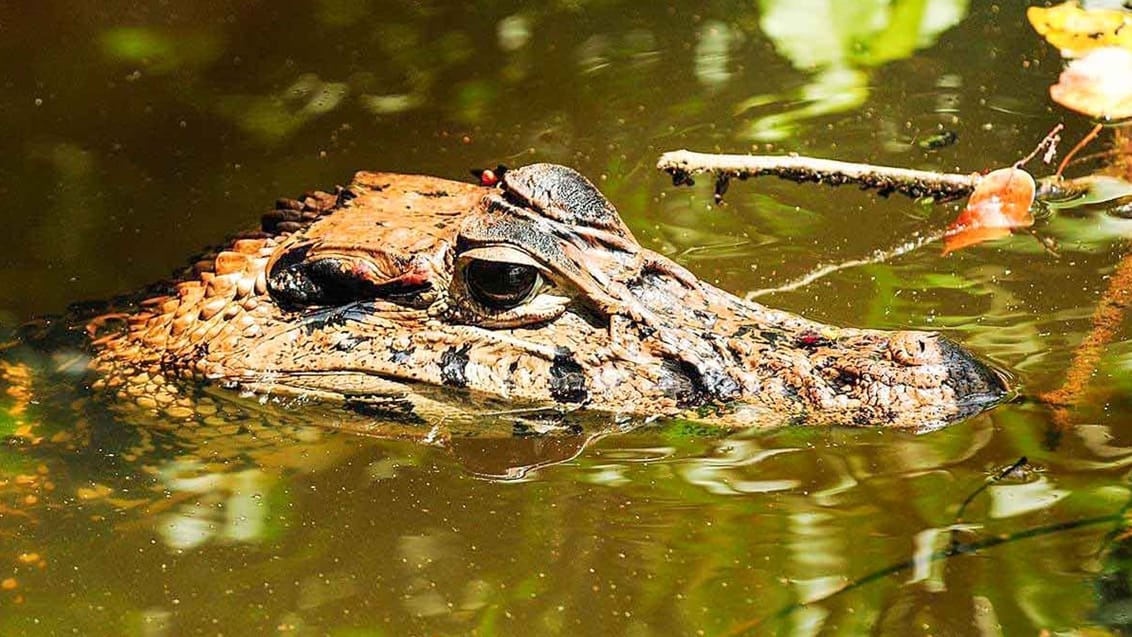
{"points": [[970, 377], [914, 348]]}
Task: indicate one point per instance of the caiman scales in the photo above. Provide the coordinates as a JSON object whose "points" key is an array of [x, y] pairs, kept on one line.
{"points": [[532, 291]]}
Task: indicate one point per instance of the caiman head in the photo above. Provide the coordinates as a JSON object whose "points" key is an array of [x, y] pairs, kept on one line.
{"points": [[534, 291]]}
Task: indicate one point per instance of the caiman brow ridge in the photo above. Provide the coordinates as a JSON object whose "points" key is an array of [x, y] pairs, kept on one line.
{"points": [[363, 296]]}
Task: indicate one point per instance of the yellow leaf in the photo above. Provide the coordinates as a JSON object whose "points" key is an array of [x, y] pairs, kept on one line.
{"points": [[1076, 31]]}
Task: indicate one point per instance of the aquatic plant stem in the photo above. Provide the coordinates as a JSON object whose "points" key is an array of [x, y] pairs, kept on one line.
{"points": [[754, 626], [995, 479], [1107, 319]]}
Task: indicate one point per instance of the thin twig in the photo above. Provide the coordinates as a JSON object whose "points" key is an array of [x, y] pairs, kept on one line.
{"points": [[1081, 144], [1049, 141], [878, 256], [1100, 154]]}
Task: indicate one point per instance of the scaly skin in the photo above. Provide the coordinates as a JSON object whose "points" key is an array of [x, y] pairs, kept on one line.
{"points": [[371, 297]]}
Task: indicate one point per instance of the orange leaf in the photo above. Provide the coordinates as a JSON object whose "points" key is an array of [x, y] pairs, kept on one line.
{"points": [[1098, 85], [1000, 202]]}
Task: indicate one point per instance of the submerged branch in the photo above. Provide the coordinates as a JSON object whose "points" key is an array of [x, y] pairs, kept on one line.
{"points": [[682, 164]]}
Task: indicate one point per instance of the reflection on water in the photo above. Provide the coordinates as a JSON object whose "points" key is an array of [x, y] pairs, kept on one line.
{"points": [[135, 135], [717, 474], [837, 42], [664, 530], [212, 507]]}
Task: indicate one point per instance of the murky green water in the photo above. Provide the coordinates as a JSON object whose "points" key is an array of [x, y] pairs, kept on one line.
{"points": [[136, 133]]}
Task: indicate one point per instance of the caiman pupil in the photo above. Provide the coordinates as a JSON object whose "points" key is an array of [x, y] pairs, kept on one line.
{"points": [[501, 286]]}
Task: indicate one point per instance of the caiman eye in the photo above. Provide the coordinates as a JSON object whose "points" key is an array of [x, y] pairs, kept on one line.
{"points": [[499, 285]]}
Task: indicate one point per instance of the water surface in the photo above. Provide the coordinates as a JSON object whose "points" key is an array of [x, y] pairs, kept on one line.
{"points": [[137, 133]]}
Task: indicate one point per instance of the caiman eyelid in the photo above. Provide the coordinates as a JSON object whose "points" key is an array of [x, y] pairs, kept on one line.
{"points": [[298, 279], [502, 254]]}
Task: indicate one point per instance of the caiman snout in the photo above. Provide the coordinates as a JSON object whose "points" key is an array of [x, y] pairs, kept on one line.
{"points": [[966, 375], [973, 381]]}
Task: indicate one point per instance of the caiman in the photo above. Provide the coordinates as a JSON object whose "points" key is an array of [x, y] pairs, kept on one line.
{"points": [[401, 292]]}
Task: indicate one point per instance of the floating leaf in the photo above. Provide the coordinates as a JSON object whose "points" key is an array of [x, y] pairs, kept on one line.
{"points": [[1000, 202], [959, 237], [1076, 31], [1098, 85]]}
